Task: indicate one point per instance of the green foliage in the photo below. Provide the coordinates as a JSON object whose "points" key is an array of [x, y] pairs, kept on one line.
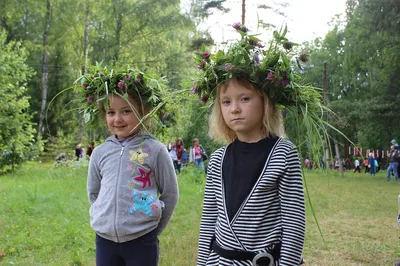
{"points": [[17, 142], [362, 60], [94, 88], [268, 67], [147, 34]]}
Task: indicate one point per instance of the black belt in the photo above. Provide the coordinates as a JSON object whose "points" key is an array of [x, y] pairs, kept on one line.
{"points": [[274, 251]]}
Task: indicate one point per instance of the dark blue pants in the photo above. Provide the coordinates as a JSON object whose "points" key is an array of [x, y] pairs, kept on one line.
{"points": [[142, 251]]}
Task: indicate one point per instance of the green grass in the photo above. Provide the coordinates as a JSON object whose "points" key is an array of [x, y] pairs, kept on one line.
{"points": [[44, 219]]}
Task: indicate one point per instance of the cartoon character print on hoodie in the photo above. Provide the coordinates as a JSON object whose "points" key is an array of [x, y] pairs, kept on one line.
{"points": [[142, 200]]}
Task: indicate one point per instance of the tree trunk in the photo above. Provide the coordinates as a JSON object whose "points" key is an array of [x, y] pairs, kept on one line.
{"points": [[85, 57], [118, 29], [45, 69], [243, 12], [337, 150]]}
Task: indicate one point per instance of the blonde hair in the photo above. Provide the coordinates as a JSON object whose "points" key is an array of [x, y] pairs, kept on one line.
{"points": [[272, 116], [195, 140]]}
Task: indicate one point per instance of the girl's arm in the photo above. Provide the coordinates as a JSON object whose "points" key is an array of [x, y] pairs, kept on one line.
{"points": [[94, 178], [292, 211], [208, 218], [167, 186]]}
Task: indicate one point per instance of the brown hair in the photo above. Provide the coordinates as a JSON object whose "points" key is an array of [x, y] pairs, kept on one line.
{"points": [[143, 112], [181, 141], [272, 116]]}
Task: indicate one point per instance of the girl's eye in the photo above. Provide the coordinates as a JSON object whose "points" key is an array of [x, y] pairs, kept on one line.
{"points": [[127, 111], [225, 102], [245, 99], [110, 112]]}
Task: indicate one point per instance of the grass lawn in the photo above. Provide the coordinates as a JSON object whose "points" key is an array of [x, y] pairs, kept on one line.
{"points": [[44, 219]]}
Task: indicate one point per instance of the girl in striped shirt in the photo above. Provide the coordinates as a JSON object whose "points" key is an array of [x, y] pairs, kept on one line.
{"points": [[253, 209]]}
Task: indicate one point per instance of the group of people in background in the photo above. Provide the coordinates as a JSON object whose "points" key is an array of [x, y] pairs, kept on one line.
{"points": [[80, 151], [370, 164], [180, 157]]}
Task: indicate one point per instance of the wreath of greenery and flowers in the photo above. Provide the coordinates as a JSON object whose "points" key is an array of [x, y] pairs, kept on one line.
{"points": [[269, 67], [95, 87]]}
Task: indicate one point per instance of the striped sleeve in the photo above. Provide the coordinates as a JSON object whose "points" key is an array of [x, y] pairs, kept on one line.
{"points": [[209, 216], [292, 210]]}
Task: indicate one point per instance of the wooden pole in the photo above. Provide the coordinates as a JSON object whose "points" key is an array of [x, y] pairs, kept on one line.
{"points": [[243, 12], [337, 150]]}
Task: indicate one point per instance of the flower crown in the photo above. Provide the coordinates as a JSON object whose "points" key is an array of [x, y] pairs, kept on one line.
{"points": [[95, 86], [269, 68]]}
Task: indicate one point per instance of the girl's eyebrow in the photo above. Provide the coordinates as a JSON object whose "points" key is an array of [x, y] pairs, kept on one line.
{"points": [[124, 107]]}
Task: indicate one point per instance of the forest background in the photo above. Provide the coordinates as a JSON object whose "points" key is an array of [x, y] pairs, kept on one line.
{"points": [[46, 45]]}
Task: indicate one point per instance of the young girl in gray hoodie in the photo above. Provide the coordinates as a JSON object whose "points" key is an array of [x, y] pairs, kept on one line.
{"points": [[131, 184]]}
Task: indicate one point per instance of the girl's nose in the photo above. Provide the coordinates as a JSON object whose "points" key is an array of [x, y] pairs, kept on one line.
{"points": [[118, 117], [235, 108]]}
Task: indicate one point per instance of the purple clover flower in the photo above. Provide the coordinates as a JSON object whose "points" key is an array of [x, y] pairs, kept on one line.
{"points": [[270, 76], [90, 99], [204, 99], [244, 29], [128, 78], [194, 90], [138, 80], [284, 83], [121, 84], [237, 25], [85, 86], [206, 55], [254, 43], [229, 67], [287, 46], [201, 65]]}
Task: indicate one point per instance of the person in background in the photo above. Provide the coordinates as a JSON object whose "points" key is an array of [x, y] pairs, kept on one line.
{"points": [[371, 164], [366, 167], [179, 149], [195, 154], [322, 162], [90, 149], [172, 154], [78, 151], [185, 158], [357, 166], [307, 163], [132, 186], [394, 158], [393, 142]]}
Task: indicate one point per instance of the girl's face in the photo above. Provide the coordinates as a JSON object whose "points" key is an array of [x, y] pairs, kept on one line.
{"points": [[242, 109], [196, 143], [122, 117]]}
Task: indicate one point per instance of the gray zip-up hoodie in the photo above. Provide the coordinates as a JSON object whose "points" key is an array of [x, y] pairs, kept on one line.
{"points": [[132, 188]]}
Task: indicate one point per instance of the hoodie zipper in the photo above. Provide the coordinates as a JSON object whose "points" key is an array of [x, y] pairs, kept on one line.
{"points": [[116, 194]]}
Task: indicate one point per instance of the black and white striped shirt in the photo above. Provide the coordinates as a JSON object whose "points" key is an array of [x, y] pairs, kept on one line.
{"points": [[273, 212]]}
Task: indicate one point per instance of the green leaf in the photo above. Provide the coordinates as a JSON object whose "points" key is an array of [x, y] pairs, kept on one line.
{"points": [[86, 117]]}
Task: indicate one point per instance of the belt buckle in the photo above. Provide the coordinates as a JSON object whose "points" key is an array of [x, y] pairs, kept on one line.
{"points": [[261, 255]]}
